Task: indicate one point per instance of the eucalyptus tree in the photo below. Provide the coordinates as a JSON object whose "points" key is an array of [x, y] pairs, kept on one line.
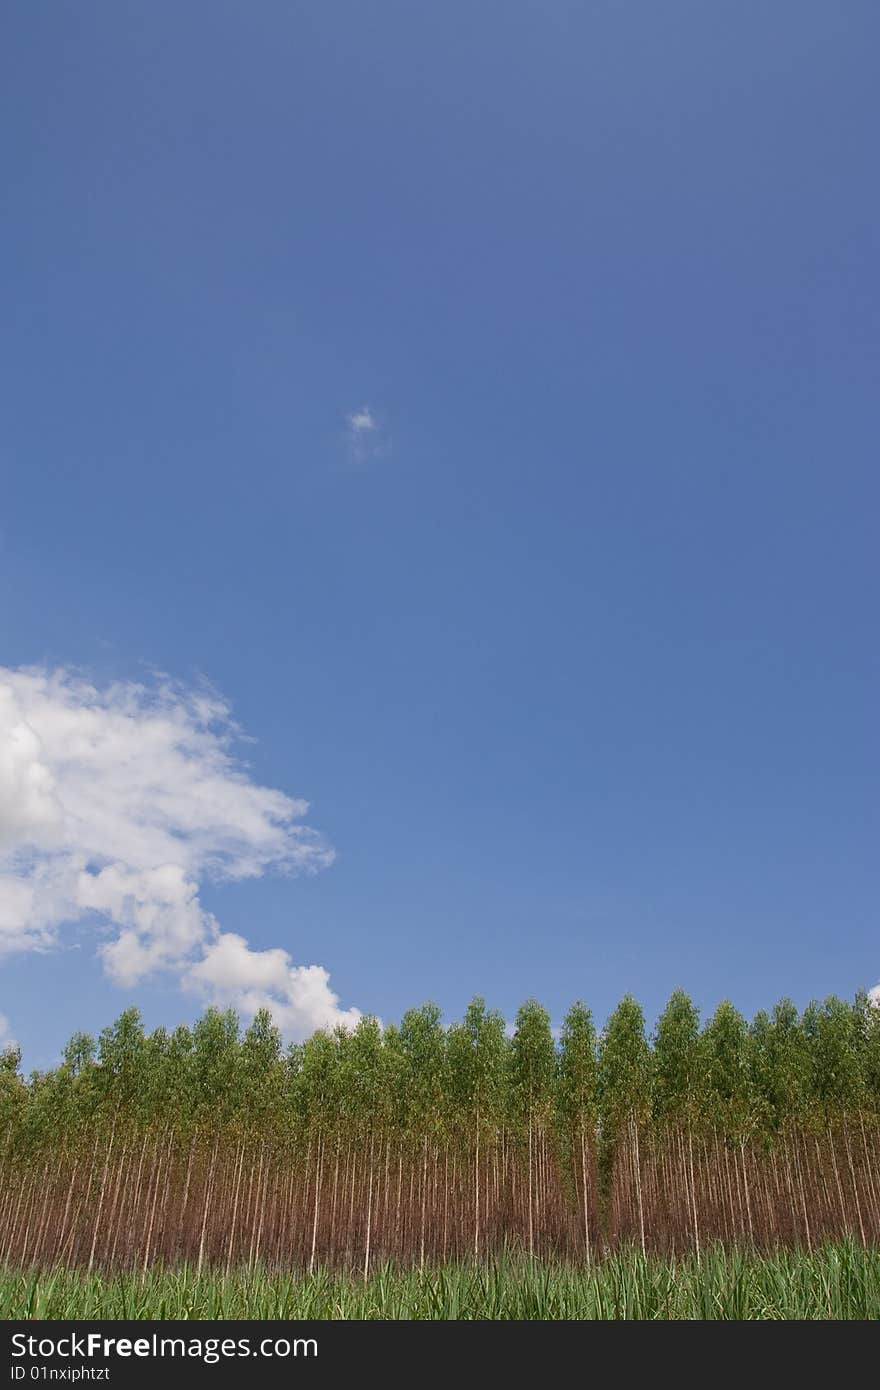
{"points": [[119, 1076], [179, 1080], [532, 1069], [13, 1092], [260, 1067], [868, 1006], [486, 1028], [214, 1088], [160, 1114], [624, 1105], [215, 1068], [835, 1086], [780, 1075], [121, 1061], [14, 1161], [254, 1127], [676, 1059], [677, 1090], [868, 1010], [729, 1099], [835, 1079], [726, 1072], [153, 1067], [461, 1111], [398, 1164], [319, 1098], [368, 1106], [476, 1052], [80, 1054], [577, 1106], [422, 1043], [780, 1063]]}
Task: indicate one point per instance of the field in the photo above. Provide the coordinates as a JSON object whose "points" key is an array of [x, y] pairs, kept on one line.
{"points": [[838, 1282]]}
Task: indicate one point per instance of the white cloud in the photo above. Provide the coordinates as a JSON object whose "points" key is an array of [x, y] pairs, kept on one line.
{"points": [[874, 995], [362, 421], [28, 804], [117, 804], [299, 996], [364, 430], [5, 1039]]}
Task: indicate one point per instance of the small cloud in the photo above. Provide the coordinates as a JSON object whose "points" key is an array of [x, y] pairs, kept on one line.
{"points": [[362, 421], [5, 1039], [364, 431]]}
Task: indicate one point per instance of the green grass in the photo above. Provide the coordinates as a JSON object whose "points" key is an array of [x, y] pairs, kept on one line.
{"points": [[838, 1282]]}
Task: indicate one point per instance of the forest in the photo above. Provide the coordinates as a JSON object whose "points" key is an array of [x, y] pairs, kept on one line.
{"points": [[422, 1144]]}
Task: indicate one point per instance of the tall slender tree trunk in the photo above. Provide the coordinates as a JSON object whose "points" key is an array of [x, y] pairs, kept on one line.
{"points": [[586, 1203], [693, 1190], [855, 1188], [209, 1189], [234, 1216], [424, 1201], [843, 1219], [531, 1195], [477, 1192], [149, 1237], [638, 1175], [315, 1211], [101, 1197], [369, 1215]]}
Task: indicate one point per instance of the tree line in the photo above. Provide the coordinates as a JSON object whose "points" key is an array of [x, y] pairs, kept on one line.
{"points": [[421, 1143]]}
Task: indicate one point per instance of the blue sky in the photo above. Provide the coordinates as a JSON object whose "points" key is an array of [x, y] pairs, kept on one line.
{"points": [[571, 645]]}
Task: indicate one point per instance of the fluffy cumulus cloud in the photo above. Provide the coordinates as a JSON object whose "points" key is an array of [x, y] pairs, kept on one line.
{"points": [[116, 805], [231, 972], [874, 995]]}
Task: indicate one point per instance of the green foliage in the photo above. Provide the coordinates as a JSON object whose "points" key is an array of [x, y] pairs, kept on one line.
{"points": [[423, 1079], [624, 1068], [577, 1085], [728, 1100], [677, 1059], [476, 1052], [532, 1065], [420, 1075], [835, 1041]]}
